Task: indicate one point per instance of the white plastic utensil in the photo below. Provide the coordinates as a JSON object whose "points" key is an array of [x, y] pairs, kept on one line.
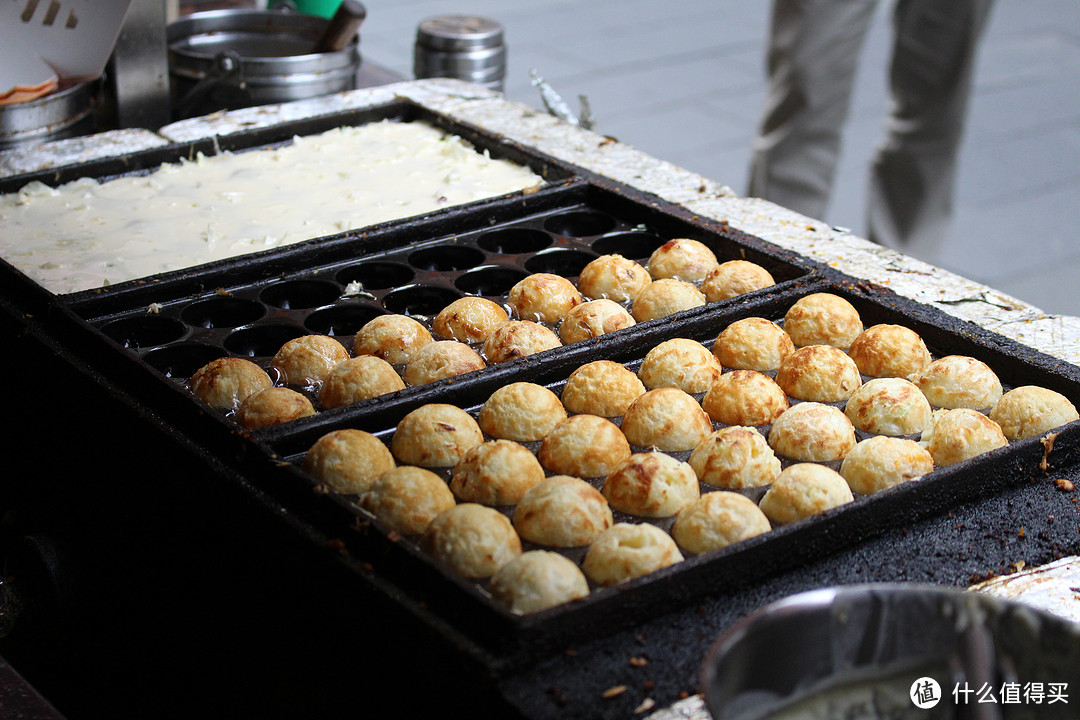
{"points": [[69, 40]]}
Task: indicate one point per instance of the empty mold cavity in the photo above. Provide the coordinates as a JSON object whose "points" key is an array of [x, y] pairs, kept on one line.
{"points": [[419, 300], [183, 359], [633, 244], [145, 331], [491, 281], [261, 340], [567, 263], [514, 241], [341, 320], [446, 258], [299, 294], [376, 275], [222, 312], [580, 223]]}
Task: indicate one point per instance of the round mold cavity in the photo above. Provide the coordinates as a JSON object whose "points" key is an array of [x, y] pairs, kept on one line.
{"points": [[341, 320], [419, 300], [490, 281], [445, 258], [376, 275], [261, 340], [514, 241], [145, 331], [222, 312], [301, 294], [567, 263], [633, 244], [182, 359], [580, 223]]}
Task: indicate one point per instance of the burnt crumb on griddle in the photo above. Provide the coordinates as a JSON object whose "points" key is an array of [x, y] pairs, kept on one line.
{"points": [[1064, 485], [558, 696]]}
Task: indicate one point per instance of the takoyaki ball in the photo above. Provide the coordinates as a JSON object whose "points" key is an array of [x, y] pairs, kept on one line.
{"points": [[626, 551], [602, 387], [960, 434], [735, 277], [667, 419], [889, 406], [348, 461], [407, 498], [716, 520], [753, 343], [308, 359], [889, 351], [435, 435], [680, 363], [882, 462], [359, 378], [273, 406], [394, 338], [592, 319], [820, 373], [682, 259], [469, 320], [665, 297], [543, 297], [538, 580], [1031, 410], [472, 540], [823, 319], [959, 381], [442, 359], [584, 446], [517, 339], [735, 458], [613, 277], [521, 411], [562, 511], [226, 382], [651, 484], [812, 432], [496, 472], [804, 490], [744, 397]]}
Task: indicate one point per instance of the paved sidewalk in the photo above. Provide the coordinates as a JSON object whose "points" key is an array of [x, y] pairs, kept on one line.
{"points": [[684, 81]]}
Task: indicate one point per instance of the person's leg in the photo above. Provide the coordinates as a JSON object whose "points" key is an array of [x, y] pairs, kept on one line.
{"points": [[913, 174], [812, 59]]}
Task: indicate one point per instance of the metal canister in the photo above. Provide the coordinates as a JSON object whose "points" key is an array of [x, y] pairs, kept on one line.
{"points": [[62, 114], [465, 47]]}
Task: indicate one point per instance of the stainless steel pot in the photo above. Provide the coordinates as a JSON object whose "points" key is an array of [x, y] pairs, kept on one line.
{"points": [[62, 114], [228, 59]]}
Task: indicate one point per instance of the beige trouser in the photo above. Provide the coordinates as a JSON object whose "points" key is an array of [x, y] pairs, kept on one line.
{"points": [[812, 60]]}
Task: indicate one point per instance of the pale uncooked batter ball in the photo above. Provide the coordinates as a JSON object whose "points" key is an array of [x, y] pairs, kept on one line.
{"points": [[812, 432], [820, 373], [442, 359], [753, 343], [823, 319], [273, 406], [664, 297], [543, 297], [394, 338], [1031, 410], [592, 319], [226, 382], [735, 457], [538, 580], [496, 472], [348, 461], [680, 363], [667, 419], [881, 462], [517, 339], [961, 433], [602, 387], [626, 551], [804, 490], [959, 381], [613, 277], [521, 411], [651, 484], [307, 360], [435, 435], [744, 397], [682, 259], [359, 378], [562, 511], [469, 320], [716, 520], [584, 446], [408, 498], [889, 406], [889, 351], [472, 540], [735, 277]]}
